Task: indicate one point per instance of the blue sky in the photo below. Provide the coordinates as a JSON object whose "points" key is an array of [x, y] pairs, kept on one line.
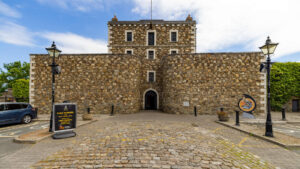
{"points": [[80, 26]]}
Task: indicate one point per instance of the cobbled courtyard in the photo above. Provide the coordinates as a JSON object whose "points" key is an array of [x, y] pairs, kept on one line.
{"points": [[153, 140]]}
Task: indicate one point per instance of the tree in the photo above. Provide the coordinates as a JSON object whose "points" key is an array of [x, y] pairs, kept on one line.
{"points": [[285, 83], [21, 90], [14, 71]]}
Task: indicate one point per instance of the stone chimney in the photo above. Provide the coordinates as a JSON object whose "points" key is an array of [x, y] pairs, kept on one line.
{"points": [[189, 18], [115, 19]]}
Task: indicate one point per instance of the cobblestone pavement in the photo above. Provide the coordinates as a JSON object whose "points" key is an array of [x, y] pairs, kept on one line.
{"points": [[154, 140], [132, 142]]}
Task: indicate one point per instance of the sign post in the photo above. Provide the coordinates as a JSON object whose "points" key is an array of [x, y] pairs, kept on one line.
{"points": [[64, 120]]}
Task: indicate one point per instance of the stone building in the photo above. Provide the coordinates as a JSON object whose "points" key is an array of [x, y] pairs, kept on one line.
{"points": [[150, 64], [293, 105], [7, 96]]}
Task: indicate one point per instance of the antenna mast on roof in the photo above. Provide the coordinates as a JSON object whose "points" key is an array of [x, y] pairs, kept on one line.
{"points": [[151, 16]]}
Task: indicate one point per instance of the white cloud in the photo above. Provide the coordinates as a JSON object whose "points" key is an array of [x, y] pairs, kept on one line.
{"points": [[73, 43], [79, 5], [8, 11], [15, 34], [224, 24]]}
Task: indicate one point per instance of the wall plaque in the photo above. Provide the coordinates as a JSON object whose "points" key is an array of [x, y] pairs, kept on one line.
{"points": [[247, 104], [186, 104]]}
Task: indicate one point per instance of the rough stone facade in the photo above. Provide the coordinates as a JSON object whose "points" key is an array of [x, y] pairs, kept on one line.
{"points": [[117, 45], [208, 81], [90, 80]]}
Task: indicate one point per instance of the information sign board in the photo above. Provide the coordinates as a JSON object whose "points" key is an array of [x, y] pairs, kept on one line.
{"points": [[64, 117]]}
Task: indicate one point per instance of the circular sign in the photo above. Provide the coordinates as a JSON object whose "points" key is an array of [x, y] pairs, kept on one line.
{"points": [[247, 104]]}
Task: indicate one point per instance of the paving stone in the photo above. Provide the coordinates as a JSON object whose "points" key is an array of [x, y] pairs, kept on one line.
{"points": [[128, 143]]}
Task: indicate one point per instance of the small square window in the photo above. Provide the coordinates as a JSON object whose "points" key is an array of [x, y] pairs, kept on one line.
{"points": [[129, 51], [129, 36], [151, 76], [151, 54], [173, 52], [173, 36]]}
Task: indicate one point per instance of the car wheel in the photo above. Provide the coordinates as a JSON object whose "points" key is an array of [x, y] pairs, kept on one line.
{"points": [[26, 119]]}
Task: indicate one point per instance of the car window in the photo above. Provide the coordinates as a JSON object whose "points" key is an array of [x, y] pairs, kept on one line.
{"points": [[13, 106], [24, 106], [2, 108]]}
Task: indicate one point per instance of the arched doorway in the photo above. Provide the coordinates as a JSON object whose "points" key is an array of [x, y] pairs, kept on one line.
{"points": [[151, 100]]}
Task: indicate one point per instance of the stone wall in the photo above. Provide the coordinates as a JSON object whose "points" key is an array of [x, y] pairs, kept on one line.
{"points": [[90, 80], [117, 45], [208, 81], [7, 96], [289, 105], [212, 80]]}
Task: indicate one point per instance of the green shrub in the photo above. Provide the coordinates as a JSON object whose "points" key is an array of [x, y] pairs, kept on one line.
{"points": [[21, 90], [285, 83]]}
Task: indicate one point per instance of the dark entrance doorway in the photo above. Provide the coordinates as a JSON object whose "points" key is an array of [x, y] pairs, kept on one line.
{"points": [[295, 105], [151, 100]]}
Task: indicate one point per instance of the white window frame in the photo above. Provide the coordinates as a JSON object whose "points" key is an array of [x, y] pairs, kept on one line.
{"points": [[148, 53], [154, 37], [148, 75], [171, 35], [170, 52], [126, 35], [129, 50]]}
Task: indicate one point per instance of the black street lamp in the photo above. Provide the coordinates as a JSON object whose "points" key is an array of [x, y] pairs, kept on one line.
{"points": [[6, 91], [54, 52], [268, 49]]}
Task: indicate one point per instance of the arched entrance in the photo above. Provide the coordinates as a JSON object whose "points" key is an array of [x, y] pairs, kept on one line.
{"points": [[151, 100]]}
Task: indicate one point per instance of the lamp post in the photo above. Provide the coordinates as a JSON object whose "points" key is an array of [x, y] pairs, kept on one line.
{"points": [[268, 49], [54, 52], [5, 98]]}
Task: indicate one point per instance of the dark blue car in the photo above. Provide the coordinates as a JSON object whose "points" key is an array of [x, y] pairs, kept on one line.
{"points": [[16, 113]]}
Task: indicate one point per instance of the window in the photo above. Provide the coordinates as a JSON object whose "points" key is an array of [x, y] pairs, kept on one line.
{"points": [[151, 76], [2, 108], [151, 38], [24, 106], [129, 36], [13, 106], [150, 54], [173, 51], [173, 36], [129, 51]]}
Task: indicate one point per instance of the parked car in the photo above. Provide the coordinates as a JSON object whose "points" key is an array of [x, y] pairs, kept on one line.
{"points": [[16, 113]]}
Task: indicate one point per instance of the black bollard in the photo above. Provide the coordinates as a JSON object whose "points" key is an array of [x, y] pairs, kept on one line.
{"points": [[88, 110], [51, 122], [283, 113], [237, 118], [112, 110], [195, 111]]}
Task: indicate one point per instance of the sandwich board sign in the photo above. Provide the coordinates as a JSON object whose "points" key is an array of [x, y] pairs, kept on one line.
{"points": [[64, 120]]}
